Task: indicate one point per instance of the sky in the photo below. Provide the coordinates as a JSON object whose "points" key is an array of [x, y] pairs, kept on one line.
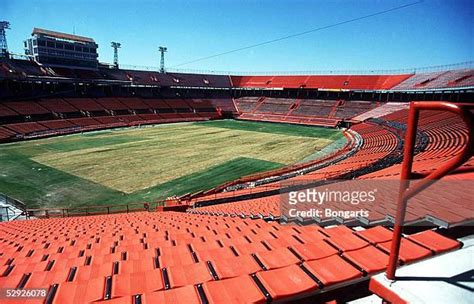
{"points": [[430, 33]]}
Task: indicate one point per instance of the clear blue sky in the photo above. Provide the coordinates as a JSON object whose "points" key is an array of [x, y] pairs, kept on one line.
{"points": [[435, 32]]}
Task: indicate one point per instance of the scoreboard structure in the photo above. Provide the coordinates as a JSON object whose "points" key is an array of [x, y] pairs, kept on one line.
{"points": [[52, 48]]}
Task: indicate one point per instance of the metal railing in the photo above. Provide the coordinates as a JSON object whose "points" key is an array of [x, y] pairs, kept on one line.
{"points": [[231, 195], [406, 190], [11, 208], [12, 201], [91, 210], [7, 213], [415, 70]]}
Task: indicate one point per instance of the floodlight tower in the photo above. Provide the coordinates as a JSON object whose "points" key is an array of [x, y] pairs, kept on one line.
{"points": [[4, 25], [116, 46], [162, 50]]}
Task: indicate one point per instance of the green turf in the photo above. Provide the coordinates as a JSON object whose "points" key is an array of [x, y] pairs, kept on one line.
{"points": [[275, 128], [209, 178], [136, 165], [42, 186], [88, 141]]}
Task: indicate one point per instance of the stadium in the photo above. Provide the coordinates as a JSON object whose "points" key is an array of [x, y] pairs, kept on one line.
{"points": [[137, 185]]}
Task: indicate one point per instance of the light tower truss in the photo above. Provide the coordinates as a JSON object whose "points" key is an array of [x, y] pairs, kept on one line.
{"points": [[162, 50], [116, 46], [4, 25]]}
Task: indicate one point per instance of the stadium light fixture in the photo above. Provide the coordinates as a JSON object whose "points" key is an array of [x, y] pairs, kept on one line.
{"points": [[4, 25], [162, 50], [116, 46]]}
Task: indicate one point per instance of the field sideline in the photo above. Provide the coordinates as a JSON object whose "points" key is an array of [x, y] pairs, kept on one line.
{"points": [[150, 163]]}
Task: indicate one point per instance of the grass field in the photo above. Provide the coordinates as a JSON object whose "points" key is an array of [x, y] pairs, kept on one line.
{"points": [[145, 164]]}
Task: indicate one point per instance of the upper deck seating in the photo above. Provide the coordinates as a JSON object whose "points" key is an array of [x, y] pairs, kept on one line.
{"points": [[441, 79], [361, 82]]}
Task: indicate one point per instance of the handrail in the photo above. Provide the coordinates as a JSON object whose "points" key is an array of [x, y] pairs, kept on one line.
{"points": [[406, 192], [93, 210], [410, 70], [13, 201], [6, 208], [14, 213]]}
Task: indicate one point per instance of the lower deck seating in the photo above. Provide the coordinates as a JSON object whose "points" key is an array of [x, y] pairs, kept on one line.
{"points": [[6, 111], [80, 114], [26, 107], [211, 115], [314, 108], [327, 113], [377, 143], [57, 124], [317, 121], [6, 134], [85, 104], [84, 121], [26, 127], [447, 135], [157, 257], [57, 105], [110, 121], [225, 105], [129, 118], [134, 103], [246, 104], [382, 110], [151, 117], [111, 104]]}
